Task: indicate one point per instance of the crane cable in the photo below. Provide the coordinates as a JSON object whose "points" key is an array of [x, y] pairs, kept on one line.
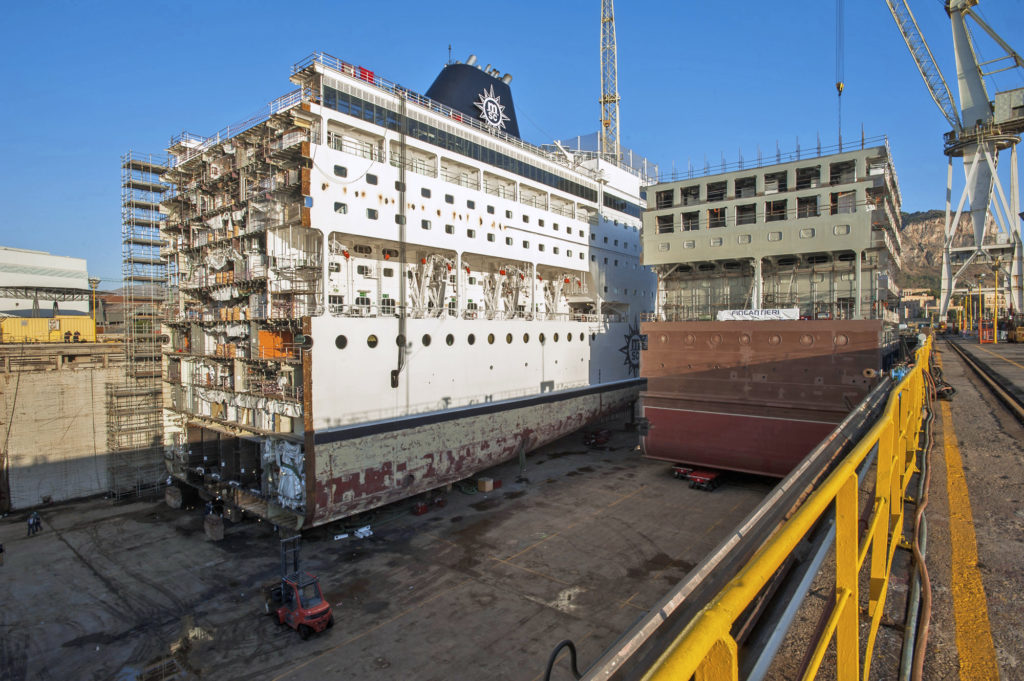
{"points": [[840, 85]]}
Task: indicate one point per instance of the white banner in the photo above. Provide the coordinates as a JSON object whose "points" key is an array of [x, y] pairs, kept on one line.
{"points": [[758, 315]]}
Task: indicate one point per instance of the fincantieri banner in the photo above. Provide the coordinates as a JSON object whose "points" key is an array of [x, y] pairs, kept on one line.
{"points": [[758, 315]]}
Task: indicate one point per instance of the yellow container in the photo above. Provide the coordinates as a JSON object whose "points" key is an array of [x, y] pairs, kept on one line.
{"points": [[59, 329]]}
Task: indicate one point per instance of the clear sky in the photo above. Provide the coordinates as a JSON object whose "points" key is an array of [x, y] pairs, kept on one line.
{"points": [[83, 82]]}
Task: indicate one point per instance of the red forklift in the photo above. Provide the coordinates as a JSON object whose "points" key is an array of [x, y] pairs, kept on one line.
{"points": [[297, 600]]}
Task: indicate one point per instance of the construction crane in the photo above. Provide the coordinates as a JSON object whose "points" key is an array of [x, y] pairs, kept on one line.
{"points": [[981, 131], [608, 136]]}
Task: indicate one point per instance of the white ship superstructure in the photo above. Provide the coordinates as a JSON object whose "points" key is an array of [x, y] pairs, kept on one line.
{"points": [[381, 293]]}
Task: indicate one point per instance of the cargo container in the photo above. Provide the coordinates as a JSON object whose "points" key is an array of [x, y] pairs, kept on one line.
{"points": [[59, 329]]}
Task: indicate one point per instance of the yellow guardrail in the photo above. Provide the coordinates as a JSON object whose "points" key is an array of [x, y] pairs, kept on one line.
{"points": [[706, 647]]}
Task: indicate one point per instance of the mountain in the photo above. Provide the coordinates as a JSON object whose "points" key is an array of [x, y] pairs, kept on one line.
{"points": [[922, 236]]}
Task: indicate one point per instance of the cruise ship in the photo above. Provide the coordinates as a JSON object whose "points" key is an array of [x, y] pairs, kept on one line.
{"points": [[379, 292]]}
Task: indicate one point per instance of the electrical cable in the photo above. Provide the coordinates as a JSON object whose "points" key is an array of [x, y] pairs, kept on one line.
{"points": [[920, 528]]}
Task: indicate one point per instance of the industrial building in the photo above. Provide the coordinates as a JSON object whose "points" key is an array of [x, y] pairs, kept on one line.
{"points": [[819, 232], [25, 276]]}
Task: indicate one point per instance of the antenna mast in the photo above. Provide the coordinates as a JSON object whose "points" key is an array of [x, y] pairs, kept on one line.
{"points": [[608, 136]]}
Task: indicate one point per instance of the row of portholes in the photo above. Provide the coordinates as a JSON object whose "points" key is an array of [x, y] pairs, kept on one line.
{"points": [[341, 342]]}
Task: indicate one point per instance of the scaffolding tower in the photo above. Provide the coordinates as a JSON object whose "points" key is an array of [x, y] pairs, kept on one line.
{"points": [[135, 408]]}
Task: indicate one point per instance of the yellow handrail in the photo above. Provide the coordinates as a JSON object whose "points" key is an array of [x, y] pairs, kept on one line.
{"points": [[706, 647]]}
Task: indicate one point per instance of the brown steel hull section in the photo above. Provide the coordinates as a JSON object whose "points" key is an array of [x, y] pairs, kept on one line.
{"points": [[753, 396], [361, 472]]}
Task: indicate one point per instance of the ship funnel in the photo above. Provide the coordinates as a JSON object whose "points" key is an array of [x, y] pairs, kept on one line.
{"points": [[507, 78], [479, 94], [471, 60]]}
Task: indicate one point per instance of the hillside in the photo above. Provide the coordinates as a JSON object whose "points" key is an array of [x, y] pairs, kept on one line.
{"points": [[922, 236]]}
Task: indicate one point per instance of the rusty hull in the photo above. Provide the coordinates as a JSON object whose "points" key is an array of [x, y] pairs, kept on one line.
{"points": [[753, 396], [364, 467]]}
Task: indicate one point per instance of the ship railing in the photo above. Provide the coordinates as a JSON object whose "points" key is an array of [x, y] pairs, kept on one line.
{"points": [[763, 160], [551, 154], [706, 647], [367, 150], [461, 179]]}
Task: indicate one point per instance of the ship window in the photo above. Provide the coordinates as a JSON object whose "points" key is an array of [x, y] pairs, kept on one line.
{"points": [[568, 253], [426, 340], [807, 207], [616, 263], [540, 223], [555, 250], [593, 236], [340, 207], [716, 191], [448, 198], [490, 237], [388, 272], [606, 261], [471, 339], [775, 182], [399, 219], [554, 226], [371, 340], [745, 187], [593, 258], [746, 215], [716, 217], [449, 339], [508, 338], [664, 224], [508, 214], [568, 338], [371, 213], [471, 233], [400, 340], [471, 204], [690, 195], [371, 178], [526, 338], [490, 339], [616, 242], [540, 247], [341, 171], [425, 193], [364, 270], [581, 256], [449, 229], [526, 244], [774, 210], [606, 239], [334, 267], [541, 338], [842, 202], [363, 249], [387, 306], [425, 224], [556, 337], [508, 241], [663, 199], [340, 342], [807, 178], [471, 305], [490, 209], [526, 218], [400, 186], [581, 233]]}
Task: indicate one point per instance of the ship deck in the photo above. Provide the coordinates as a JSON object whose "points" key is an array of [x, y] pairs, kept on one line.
{"points": [[483, 587]]}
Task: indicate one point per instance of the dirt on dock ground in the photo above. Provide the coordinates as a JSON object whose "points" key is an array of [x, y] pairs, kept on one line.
{"points": [[576, 546]]}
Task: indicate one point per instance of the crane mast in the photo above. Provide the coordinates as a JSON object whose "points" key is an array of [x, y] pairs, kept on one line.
{"points": [[608, 136]]}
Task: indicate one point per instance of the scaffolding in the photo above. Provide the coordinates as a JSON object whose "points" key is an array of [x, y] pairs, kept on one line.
{"points": [[135, 409]]}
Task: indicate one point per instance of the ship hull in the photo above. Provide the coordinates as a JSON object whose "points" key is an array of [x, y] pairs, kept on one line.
{"points": [[754, 396], [360, 468]]}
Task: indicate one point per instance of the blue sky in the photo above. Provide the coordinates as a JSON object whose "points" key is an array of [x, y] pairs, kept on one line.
{"points": [[85, 82]]}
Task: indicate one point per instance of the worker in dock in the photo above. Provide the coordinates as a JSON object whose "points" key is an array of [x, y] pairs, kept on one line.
{"points": [[34, 523]]}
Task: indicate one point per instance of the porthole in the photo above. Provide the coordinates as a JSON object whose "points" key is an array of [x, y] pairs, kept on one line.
{"points": [[581, 337], [556, 337], [526, 338], [568, 338], [371, 340], [471, 339], [449, 339], [426, 340], [400, 341], [541, 339], [593, 337], [508, 338], [340, 342], [490, 339]]}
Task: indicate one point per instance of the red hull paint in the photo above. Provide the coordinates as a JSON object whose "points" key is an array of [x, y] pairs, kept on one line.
{"points": [[767, 446]]}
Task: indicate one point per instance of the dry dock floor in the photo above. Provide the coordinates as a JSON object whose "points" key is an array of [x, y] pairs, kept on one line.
{"points": [[483, 587]]}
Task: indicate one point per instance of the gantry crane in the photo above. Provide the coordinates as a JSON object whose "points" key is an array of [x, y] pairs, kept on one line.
{"points": [[981, 131]]}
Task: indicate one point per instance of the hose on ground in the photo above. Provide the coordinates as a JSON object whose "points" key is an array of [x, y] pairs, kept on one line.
{"points": [[554, 656], [466, 487], [941, 388], [919, 622]]}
